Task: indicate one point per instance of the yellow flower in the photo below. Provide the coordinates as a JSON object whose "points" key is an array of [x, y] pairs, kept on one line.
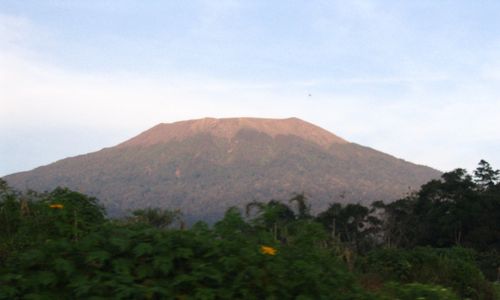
{"points": [[268, 250], [56, 206]]}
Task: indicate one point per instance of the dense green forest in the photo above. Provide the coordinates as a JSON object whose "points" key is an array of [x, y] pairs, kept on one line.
{"points": [[441, 242]]}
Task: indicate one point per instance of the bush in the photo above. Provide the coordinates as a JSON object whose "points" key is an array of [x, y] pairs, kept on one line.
{"points": [[489, 263], [454, 268], [412, 291], [26, 220], [136, 261]]}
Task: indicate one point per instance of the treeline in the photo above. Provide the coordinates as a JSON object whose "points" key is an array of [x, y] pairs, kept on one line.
{"points": [[442, 242]]}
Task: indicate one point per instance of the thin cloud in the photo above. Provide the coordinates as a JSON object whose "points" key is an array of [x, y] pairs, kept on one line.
{"points": [[426, 115]]}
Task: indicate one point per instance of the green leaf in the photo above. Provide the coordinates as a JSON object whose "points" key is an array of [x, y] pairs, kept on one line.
{"points": [[142, 249], [122, 265], [99, 257], [144, 270], [8, 292], [32, 257], [80, 286], [39, 296], [120, 243], [163, 264], [44, 278], [64, 266], [184, 253]]}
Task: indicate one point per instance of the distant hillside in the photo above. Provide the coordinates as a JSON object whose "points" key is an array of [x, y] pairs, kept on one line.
{"points": [[205, 166]]}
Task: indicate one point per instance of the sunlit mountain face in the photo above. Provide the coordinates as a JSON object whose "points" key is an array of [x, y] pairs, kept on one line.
{"points": [[203, 167]]}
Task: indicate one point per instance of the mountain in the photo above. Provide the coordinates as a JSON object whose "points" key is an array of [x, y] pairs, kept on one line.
{"points": [[205, 166]]}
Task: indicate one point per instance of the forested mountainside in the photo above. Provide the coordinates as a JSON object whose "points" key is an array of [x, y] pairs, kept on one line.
{"points": [[202, 167]]}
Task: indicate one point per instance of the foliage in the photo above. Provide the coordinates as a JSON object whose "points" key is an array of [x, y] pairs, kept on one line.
{"points": [[496, 287], [453, 267], [412, 291], [352, 224], [27, 220], [456, 210], [441, 242], [489, 263], [133, 261], [156, 217]]}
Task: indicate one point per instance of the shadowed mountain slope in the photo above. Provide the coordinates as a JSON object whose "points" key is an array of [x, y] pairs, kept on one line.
{"points": [[205, 166]]}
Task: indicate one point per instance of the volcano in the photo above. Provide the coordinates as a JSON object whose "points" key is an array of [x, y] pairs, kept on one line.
{"points": [[203, 167]]}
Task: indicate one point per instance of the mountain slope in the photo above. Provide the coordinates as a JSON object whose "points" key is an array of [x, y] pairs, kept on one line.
{"points": [[205, 166]]}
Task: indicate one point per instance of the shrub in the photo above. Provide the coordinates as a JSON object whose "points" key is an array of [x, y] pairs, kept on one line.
{"points": [[454, 268], [415, 291]]}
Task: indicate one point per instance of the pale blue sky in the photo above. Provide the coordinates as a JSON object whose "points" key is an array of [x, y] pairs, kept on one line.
{"points": [[416, 79]]}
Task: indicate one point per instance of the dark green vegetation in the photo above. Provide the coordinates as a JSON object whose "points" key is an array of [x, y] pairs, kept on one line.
{"points": [[203, 167], [442, 242]]}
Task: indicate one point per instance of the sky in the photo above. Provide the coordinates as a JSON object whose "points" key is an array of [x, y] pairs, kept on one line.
{"points": [[419, 80]]}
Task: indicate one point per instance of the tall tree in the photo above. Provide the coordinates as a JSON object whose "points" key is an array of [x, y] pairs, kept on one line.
{"points": [[352, 223], [273, 215], [485, 176], [303, 209]]}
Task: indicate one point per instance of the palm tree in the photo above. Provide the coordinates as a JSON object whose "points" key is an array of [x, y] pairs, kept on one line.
{"points": [[273, 216], [302, 208]]}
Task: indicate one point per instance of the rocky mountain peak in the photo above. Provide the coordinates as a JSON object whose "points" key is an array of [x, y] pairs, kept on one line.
{"points": [[229, 127]]}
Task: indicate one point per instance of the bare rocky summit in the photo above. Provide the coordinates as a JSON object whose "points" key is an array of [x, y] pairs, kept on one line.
{"points": [[229, 128], [205, 166]]}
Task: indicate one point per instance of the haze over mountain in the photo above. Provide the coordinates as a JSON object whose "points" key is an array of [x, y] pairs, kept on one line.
{"points": [[205, 166]]}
